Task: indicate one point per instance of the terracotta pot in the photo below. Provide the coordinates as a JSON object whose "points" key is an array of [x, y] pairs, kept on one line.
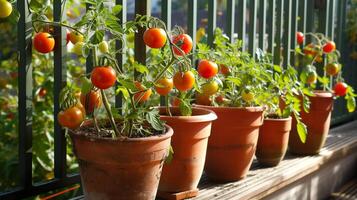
{"points": [[232, 143], [120, 169], [273, 141], [189, 143], [318, 125]]}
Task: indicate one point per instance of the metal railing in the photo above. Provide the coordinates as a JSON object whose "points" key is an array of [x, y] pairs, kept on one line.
{"points": [[265, 24]]}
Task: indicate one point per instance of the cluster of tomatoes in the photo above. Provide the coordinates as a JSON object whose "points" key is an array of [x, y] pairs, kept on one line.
{"points": [[331, 69], [182, 80]]}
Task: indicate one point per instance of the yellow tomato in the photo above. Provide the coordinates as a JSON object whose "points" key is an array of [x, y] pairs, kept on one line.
{"points": [[75, 37], [77, 48], [210, 88], [5, 8]]}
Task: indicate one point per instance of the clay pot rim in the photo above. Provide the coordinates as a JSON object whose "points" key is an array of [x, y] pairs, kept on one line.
{"points": [[279, 119], [323, 94], [168, 133], [249, 109], [208, 116]]}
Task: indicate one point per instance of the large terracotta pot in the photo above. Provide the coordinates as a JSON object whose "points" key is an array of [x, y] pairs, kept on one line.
{"points": [[318, 125], [120, 169], [273, 141], [189, 143], [232, 143]]}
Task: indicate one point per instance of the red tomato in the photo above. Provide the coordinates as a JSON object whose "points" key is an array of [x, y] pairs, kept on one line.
{"points": [[207, 69], [155, 37], [224, 69], [42, 92], [103, 77], [68, 37], [300, 37], [175, 101], [219, 99], [340, 89], [183, 41], [184, 81], [142, 96], [43, 42], [91, 101], [329, 47], [164, 86], [71, 118], [203, 99]]}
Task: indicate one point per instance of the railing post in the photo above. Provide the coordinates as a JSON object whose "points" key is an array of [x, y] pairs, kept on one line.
{"points": [[271, 26], [242, 10], [192, 21], [25, 94], [212, 20], [231, 4], [142, 7], [294, 28], [287, 32], [120, 56], [253, 8], [278, 32], [262, 23], [302, 16], [166, 17], [59, 82]]}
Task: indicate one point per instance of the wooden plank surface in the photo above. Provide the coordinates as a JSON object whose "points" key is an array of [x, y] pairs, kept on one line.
{"points": [[262, 181]]}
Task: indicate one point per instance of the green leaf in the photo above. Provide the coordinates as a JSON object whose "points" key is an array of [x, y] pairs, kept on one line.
{"points": [[153, 118], [277, 68], [86, 85], [170, 155], [185, 108], [351, 103], [141, 68], [302, 131], [97, 37], [116, 9], [124, 91]]}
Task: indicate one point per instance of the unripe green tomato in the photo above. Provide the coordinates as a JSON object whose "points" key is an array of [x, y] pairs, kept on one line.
{"points": [[77, 48], [103, 47]]}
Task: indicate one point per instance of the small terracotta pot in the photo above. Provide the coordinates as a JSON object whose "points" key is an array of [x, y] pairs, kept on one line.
{"points": [[189, 143], [273, 141], [120, 169], [318, 124], [232, 143]]}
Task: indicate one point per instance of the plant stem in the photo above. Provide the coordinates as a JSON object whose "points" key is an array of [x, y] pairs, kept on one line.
{"points": [[167, 105], [58, 24], [110, 114], [96, 123]]}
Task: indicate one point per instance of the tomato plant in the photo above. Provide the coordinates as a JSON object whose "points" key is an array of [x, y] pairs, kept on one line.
{"points": [[310, 59]]}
